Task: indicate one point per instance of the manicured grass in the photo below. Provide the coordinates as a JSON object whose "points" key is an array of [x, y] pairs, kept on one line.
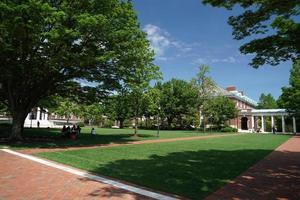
{"points": [[45, 138], [191, 169]]}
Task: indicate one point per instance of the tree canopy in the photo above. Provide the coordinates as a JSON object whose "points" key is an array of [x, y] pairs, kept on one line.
{"points": [[266, 101], [48, 46], [290, 98], [178, 100], [275, 24], [220, 109]]}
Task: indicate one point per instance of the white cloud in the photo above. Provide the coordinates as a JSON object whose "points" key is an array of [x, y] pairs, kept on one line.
{"points": [[229, 59], [204, 60], [159, 39], [200, 61]]}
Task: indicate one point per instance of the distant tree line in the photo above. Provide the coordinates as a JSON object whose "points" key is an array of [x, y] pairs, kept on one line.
{"points": [[174, 104]]}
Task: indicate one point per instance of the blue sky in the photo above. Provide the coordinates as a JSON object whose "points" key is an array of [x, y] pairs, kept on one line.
{"points": [[185, 34]]}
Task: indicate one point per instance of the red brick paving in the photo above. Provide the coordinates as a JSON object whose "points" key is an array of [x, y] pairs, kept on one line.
{"points": [[24, 179], [38, 150], [275, 177]]}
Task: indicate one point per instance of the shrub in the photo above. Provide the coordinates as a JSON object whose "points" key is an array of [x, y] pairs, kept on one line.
{"points": [[5, 125], [229, 129], [81, 124], [108, 124]]}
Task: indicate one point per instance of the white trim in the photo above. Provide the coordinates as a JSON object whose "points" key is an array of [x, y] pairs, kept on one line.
{"points": [[294, 125], [93, 177]]}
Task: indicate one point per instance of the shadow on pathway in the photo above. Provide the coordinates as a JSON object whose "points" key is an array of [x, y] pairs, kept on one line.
{"points": [[275, 177]]}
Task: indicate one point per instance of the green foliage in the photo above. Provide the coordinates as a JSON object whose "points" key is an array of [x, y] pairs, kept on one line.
{"points": [[205, 84], [3, 109], [119, 107], [206, 90], [151, 100], [48, 46], [229, 129], [267, 102], [290, 98], [81, 124], [275, 24], [219, 110], [91, 113], [108, 123], [66, 107], [178, 100]]}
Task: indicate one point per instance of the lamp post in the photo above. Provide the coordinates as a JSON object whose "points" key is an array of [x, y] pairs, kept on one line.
{"points": [[158, 121]]}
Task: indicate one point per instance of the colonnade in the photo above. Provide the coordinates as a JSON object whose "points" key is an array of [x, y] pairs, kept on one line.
{"points": [[263, 128]]}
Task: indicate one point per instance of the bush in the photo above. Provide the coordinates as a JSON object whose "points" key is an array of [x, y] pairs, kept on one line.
{"points": [[228, 129], [108, 124], [81, 124], [5, 125]]}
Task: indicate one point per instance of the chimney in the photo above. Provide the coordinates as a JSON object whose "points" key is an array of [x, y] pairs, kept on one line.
{"points": [[231, 88]]}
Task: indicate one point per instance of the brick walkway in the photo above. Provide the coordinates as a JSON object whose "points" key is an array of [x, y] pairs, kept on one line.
{"points": [[38, 150], [24, 179], [275, 177]]}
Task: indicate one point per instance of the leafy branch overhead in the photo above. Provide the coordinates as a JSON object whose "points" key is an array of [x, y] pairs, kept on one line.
{"points": [[275, 23], [48, 46]]}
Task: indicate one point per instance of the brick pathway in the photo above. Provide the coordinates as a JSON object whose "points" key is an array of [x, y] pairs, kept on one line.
{"points": [[275, 177], [24, 179], [38, 150]]}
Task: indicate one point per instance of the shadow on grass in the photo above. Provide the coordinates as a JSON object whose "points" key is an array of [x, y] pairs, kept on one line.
{"points": [[52, 138], [106, 191], [191, 174]]}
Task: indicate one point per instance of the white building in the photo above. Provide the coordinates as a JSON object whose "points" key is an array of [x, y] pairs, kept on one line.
{"points": [[38, 117]]}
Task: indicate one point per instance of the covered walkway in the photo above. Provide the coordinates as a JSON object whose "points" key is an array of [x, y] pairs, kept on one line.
{"points": [[249, 119]]}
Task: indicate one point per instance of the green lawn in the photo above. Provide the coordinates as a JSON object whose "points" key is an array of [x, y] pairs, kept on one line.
{"points": [[52, 137], [191, 169]]}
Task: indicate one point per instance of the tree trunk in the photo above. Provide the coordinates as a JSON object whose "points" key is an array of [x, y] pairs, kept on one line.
{"points": [[121, 123], [17, 126], [169, 122], [200, 115], [204, 125], [146, 122], [135, 126]]}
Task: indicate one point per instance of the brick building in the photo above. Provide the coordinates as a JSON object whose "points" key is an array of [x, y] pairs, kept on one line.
{"points": [[249, 116]]}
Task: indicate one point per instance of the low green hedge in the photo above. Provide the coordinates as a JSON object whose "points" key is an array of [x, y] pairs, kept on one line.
{"points": [[228, 129]]}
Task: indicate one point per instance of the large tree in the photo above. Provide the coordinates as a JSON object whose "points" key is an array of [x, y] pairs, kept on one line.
{"points": [[206, 90], [66, 108], [47, 45], [274, 23], [266, 101], [290, 98], [138, 86], [119, 106], [178, 100], [219, 110], [151, 101]]}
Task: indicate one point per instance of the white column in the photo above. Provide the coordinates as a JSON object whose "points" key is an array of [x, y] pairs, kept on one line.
{"points": [[46, 115], [38, 112], [262, 124], [28, 116], [253, 122], [272, 122], [283, 124], [294, 125]]}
